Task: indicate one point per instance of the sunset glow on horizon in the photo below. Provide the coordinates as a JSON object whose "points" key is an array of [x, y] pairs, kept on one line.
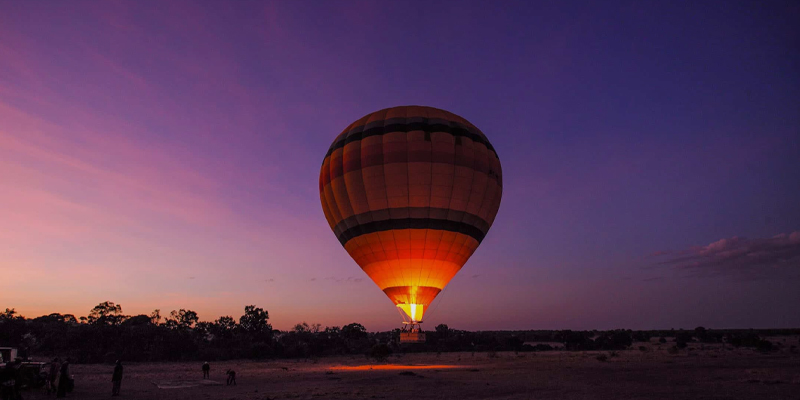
{"points": [[167, 156]]}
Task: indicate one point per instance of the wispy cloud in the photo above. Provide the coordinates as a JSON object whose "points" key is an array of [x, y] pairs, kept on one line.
{"points": [[778, 256], [349, 279]]}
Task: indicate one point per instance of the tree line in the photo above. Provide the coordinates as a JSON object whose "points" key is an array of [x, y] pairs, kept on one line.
{"points": [[107, 334]]}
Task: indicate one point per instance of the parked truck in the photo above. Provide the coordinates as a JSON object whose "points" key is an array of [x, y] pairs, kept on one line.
{"points": [[26, 373]]}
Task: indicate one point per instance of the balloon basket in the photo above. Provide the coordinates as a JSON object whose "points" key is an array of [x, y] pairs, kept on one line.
{"points": [[411, 333]]}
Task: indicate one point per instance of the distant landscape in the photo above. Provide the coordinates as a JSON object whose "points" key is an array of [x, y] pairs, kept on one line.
{"points": [[107, 334], [163, 354]]}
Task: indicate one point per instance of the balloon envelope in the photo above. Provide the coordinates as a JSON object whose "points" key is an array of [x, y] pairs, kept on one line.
{"points": [[410, 192]]}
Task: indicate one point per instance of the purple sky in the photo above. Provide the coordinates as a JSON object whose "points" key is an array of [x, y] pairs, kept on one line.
{"points": [[166, 155]]}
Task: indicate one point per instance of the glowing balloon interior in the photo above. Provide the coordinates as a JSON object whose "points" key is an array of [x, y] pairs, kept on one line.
{"points": [[410, 192]]}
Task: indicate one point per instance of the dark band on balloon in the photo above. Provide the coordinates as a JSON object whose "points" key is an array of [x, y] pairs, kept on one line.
{"points": [[411, 223], [427, 125], [477, 164], [399, 213]]}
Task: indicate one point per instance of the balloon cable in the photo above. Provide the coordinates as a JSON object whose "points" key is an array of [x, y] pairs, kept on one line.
{"points": [[441, 298]]}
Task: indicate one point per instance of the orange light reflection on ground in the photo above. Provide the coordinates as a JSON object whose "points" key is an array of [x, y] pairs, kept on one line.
{"points": [[394, 367]]}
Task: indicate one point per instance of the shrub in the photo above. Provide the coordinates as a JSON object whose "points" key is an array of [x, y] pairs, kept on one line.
{"points": [[749, 339], [602, 357], [682, 338], [764, 345], [673, 350], [662, 340], [542, 347], [380, 352], [615, 340]]}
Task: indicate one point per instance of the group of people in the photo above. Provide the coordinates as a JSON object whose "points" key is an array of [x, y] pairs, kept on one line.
{"points": [[59, 380], [10, 381], [230, 373]]}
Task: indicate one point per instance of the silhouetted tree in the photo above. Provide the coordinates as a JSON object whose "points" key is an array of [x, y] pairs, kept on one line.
{"points": [[302, 327], [137, 320], [155, 317], [682, 338], [182, 319], [106, 313], [746, 339], [354, 331], [575, 340], [380, 352], [255, 321], [764, 345], [112, 335], [513, 343], [442, 331], [224, 327]]}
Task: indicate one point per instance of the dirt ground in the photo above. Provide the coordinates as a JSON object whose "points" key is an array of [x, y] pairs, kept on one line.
{"points": [[707, 373]]}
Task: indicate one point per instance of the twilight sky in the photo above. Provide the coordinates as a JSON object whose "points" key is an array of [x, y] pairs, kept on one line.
{"points": [[166, 155]]}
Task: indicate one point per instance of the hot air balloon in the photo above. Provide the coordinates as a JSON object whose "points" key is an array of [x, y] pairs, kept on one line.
{"points": [[410, 192]]}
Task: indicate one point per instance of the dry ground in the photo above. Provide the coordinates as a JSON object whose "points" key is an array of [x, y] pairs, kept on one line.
{"points": [[710, 373]]}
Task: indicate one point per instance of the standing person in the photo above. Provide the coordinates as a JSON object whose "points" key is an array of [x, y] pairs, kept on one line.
{"points": [[63, 380], [231, 377], [17, 395], [206, 370], [7, 381], [52, 375], [116, 378]]}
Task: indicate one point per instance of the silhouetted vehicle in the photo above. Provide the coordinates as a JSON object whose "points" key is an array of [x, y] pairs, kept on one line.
{"points": [[33, 374], [28, 373], [7, 354]]}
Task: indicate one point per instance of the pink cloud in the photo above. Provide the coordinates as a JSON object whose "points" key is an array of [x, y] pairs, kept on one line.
{"points": [[777, 256]]}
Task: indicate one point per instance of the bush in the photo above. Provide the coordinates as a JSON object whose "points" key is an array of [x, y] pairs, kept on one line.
{"points": [[380, 352], [673, 350], [615, 340], [662, 340], [764, 345], [602, 357], [749, 339], [682, 338]]}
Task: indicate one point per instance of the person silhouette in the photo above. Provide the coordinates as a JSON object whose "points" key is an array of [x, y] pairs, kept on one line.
{"points": [[52, 375], [231, 377], [116, 379], [206, 370], [64, 380]]}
